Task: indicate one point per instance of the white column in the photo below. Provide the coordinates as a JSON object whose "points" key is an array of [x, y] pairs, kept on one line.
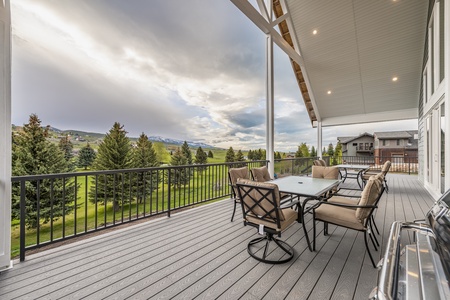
{"points": [[319, 139], [270, 119], [5, 134]]}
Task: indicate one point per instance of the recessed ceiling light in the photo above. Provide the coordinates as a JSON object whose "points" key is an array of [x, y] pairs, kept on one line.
{"points": [[394, 79], [329, 92], [315, 31]]}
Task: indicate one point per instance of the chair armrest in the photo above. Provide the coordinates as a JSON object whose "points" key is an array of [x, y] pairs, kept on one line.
{"points": [[345, 205], [348, 196]]}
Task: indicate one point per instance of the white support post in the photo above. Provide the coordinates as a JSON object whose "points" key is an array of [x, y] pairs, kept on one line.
{"points": [[5, 133], [319, 139], [270, 119]]}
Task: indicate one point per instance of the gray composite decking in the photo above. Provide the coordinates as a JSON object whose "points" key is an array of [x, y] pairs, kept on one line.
{"points": [[200, 254]]}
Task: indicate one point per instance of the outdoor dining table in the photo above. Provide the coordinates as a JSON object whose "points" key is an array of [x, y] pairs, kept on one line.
{"points": [[358, 175], [308, 187]]}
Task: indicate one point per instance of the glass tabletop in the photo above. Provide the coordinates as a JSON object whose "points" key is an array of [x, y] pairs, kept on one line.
{"points": [[344, 166], [305, 186]]}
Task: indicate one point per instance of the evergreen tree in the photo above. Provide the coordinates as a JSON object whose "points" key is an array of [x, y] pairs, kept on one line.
{"points": [[210, 154], [144, 156], [337, 156], [114, 153], [33, 154], [330, 150], [201, 158], [66, 146], [239, 157], [187, 152], [178, 176], [299, 152], [250, 155], [229, 156], [313, 152], [324, 152], [86, 157], [305, 150]]}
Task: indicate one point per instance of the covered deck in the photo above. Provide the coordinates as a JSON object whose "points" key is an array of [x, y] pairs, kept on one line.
{"points": [[200, 254]]}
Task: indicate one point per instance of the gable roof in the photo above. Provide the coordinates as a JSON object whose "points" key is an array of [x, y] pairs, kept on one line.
{"points": [[346, 140], [395, 135]]}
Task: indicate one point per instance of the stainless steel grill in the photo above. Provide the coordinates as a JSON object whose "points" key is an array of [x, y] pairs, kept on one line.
{"points": [[420, 270]]}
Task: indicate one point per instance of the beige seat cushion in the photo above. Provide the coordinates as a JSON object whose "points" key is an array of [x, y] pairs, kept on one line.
{"points": [[338, 215], [344, 200], [261, 174], [290, 216], [368, 197], [235, 174], [325, 172]]}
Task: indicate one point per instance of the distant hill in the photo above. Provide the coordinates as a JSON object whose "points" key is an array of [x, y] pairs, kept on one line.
{"points": [[93, 136]]}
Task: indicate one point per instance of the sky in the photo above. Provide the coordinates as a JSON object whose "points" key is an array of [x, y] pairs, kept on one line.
{"points": [[183, 69]]}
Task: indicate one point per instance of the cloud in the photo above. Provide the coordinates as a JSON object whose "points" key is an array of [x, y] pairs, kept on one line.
{"points": [[192, 70]]}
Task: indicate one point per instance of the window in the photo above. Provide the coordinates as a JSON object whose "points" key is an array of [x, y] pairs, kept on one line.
{"points": [[384, 142], [366, 146], [355, 144], [398, 142]]}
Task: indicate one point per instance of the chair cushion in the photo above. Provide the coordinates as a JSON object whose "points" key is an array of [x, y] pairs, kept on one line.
{"points": [[264, 206], [235, 174], [344, 200], [368, 197], [325, 172], [338, 215], [261, 174], [289, 214]]}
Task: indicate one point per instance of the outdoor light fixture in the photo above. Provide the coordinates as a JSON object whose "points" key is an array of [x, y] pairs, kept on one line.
{"points": [[394, 79], [329, 92], [315, 31]]}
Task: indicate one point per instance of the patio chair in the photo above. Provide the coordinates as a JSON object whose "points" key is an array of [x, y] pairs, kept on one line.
{"points": [[260, 174], [384, 170], [351, 216], [233, 175], [261, 209], [326, 173], [320, 162]]}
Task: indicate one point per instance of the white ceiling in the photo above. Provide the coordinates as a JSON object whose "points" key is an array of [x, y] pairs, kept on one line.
{"points": [[359, 47]]}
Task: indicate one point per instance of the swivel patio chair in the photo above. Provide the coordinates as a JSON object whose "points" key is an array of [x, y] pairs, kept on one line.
{"points": [[351, 216], [260, 202], [233, 175]]}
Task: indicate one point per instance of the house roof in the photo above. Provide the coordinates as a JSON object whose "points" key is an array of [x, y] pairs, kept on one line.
{"points": [[345, 140], [345, 55], [395, 135]]}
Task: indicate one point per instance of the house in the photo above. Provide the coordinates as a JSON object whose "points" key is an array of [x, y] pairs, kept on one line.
{"points": [[396, 145], [361, 145], [355, 62]]}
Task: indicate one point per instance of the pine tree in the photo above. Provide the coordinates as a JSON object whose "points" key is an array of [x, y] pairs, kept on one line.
{"points": [[299, 152], [86, 157], [201, 158], [239, 157], [305, 150], [33, 154], [210, 154], [178, 176], [337, 154], [250, 155], [144, 156], [114, 153], [330, 150], [187, 152], [313, 152], [229, 156], [66, 146]]}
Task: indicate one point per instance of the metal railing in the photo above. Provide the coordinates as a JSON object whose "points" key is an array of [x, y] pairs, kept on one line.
{"points": [[52, 208], [57, 207], [406, 164]]}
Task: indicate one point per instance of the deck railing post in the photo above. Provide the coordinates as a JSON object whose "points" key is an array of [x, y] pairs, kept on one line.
{"points": [[168, 192], [22, 220]]}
